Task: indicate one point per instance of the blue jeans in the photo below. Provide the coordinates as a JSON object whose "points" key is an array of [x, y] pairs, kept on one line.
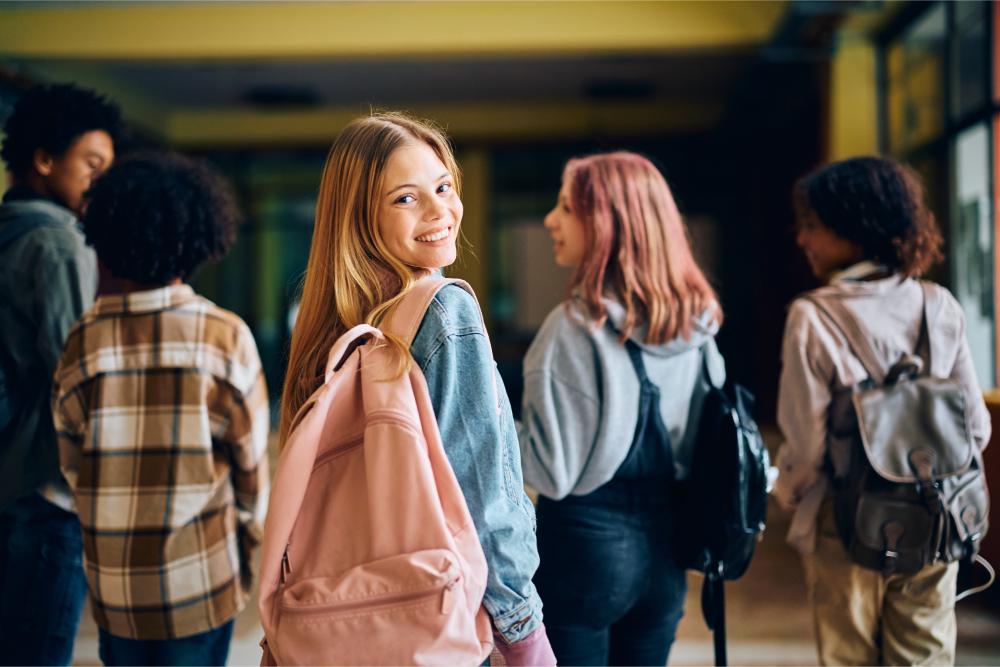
{"points": [[612, 591], [206, 648], [42, 584]]}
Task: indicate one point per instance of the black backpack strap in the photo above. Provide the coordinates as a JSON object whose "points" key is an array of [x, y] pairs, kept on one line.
{"points": [[844, 321]]}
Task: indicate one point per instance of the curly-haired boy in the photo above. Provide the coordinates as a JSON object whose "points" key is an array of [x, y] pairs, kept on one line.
{"points": [[162, 415]]}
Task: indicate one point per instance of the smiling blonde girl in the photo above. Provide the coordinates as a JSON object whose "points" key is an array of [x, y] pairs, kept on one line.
{"points": [[388, 214]]}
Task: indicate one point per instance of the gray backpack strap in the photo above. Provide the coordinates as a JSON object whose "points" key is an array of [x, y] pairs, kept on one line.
{"points": [[932, 305], [843, 320]]}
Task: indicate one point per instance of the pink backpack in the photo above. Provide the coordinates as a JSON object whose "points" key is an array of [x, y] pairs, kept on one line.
{"points": [[370, 556]]}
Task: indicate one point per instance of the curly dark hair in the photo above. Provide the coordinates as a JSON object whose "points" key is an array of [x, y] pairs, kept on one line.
{"points": [[52, 117], [154, 217], [877, 203]]}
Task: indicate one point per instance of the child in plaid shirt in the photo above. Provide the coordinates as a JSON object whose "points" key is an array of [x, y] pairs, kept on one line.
{"points": [[162, 416]]}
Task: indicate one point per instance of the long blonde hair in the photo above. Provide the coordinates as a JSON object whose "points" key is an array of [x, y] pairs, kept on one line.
{"points": [[352, 278]]}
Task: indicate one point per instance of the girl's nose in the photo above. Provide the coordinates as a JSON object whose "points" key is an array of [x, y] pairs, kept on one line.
{"points": [[549, 221], [435, 209]]}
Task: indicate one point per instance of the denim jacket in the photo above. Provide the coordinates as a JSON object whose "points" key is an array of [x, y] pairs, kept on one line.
{"points": [[480, 441]]}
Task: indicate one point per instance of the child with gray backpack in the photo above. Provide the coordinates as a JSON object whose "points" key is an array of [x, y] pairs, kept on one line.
{"points": [[883, 419]]}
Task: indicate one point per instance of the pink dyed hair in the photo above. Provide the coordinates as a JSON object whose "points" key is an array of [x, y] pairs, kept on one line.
{"points": [[637, 250]]}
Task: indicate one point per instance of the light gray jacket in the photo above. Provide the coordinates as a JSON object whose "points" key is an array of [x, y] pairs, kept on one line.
{"points": [[817, 362], [581, 397]]}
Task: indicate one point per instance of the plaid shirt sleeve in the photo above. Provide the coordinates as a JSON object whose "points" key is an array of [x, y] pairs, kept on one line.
{"points": [[246, 418]]}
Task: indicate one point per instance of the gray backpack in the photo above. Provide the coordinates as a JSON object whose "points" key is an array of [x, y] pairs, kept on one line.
{"points": [[907, 476]]}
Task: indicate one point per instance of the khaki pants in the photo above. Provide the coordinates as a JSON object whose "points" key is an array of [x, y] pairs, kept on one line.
{"points": [[863, 618]]}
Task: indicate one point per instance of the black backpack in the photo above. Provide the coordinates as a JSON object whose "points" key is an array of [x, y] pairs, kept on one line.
{"points": [[723, 501]]}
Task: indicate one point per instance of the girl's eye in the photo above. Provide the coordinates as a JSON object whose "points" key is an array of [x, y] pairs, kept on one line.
{"points": [[444, 187], [405, 199], [565, 208]]}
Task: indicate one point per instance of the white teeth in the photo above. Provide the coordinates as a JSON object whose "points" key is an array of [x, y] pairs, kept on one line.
{"points": [[443, 234]]}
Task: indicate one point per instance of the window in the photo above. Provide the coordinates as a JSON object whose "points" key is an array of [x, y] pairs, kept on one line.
{"points": [[939, 116]]}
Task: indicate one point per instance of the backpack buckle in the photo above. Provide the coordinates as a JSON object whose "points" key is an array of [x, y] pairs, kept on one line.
{"points": [[891, 531]]}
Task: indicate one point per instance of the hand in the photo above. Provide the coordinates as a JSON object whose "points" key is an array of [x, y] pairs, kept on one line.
{"points": [[532, 651]]}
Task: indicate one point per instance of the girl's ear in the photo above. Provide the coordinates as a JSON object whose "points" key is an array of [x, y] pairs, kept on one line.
{"points": [[42, 161]]}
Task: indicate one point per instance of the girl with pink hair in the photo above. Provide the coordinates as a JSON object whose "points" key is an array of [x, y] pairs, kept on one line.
{"points": [[614, 384]]}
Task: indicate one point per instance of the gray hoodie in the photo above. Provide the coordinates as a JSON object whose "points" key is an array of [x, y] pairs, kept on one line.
{"points": [[581, 397]]}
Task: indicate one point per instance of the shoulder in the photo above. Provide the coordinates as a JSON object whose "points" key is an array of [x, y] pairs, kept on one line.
{"points": [[945, 305], [54, 229], [804, 320], [945, 317], [804, 308], [222, 322], [228, 335], [452, 312], [565, 333], [453, 306], [568, 322], [57, 244]]}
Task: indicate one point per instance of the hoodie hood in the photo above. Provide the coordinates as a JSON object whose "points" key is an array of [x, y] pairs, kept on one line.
{"points": [[35, 208], [703, 329]]}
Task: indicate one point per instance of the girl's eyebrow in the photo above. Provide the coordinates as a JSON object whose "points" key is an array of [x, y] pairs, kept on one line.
{"points": [[413, 185]]}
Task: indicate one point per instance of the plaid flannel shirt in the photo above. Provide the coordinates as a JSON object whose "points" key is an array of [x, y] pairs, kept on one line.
{"points": [[162, 416]]}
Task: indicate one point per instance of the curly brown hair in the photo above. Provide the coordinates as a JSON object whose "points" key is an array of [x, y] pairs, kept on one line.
{"points": [[154, 217], [879, 204]]}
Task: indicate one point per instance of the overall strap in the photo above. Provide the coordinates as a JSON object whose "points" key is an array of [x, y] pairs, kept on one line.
{"points": [[635, 356], [650, 430]]}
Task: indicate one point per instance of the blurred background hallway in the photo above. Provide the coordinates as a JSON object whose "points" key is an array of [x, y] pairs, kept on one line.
{"points": [[733, 100]]}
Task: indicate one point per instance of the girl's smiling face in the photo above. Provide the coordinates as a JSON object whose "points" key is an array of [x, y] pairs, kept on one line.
{"points": [[419, 210]]}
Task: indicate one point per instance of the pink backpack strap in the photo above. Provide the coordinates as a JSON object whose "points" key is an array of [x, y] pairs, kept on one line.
{"points": [[345, 344], [409, 313]]}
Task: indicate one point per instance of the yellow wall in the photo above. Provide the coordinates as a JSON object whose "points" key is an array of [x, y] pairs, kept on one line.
{"points": [[378, 29], [853, 100], [473, 257]]}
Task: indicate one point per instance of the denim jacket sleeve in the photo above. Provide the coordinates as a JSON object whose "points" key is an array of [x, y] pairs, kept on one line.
{"points": [[481, 443]]}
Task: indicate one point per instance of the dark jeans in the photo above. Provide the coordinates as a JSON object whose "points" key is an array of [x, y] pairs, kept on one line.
{"points": [[612, 592], [206, 648], [42, 585]]}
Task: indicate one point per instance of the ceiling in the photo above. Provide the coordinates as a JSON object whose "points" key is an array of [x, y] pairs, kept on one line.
{"points": [[260, 83], [203, 73]]}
